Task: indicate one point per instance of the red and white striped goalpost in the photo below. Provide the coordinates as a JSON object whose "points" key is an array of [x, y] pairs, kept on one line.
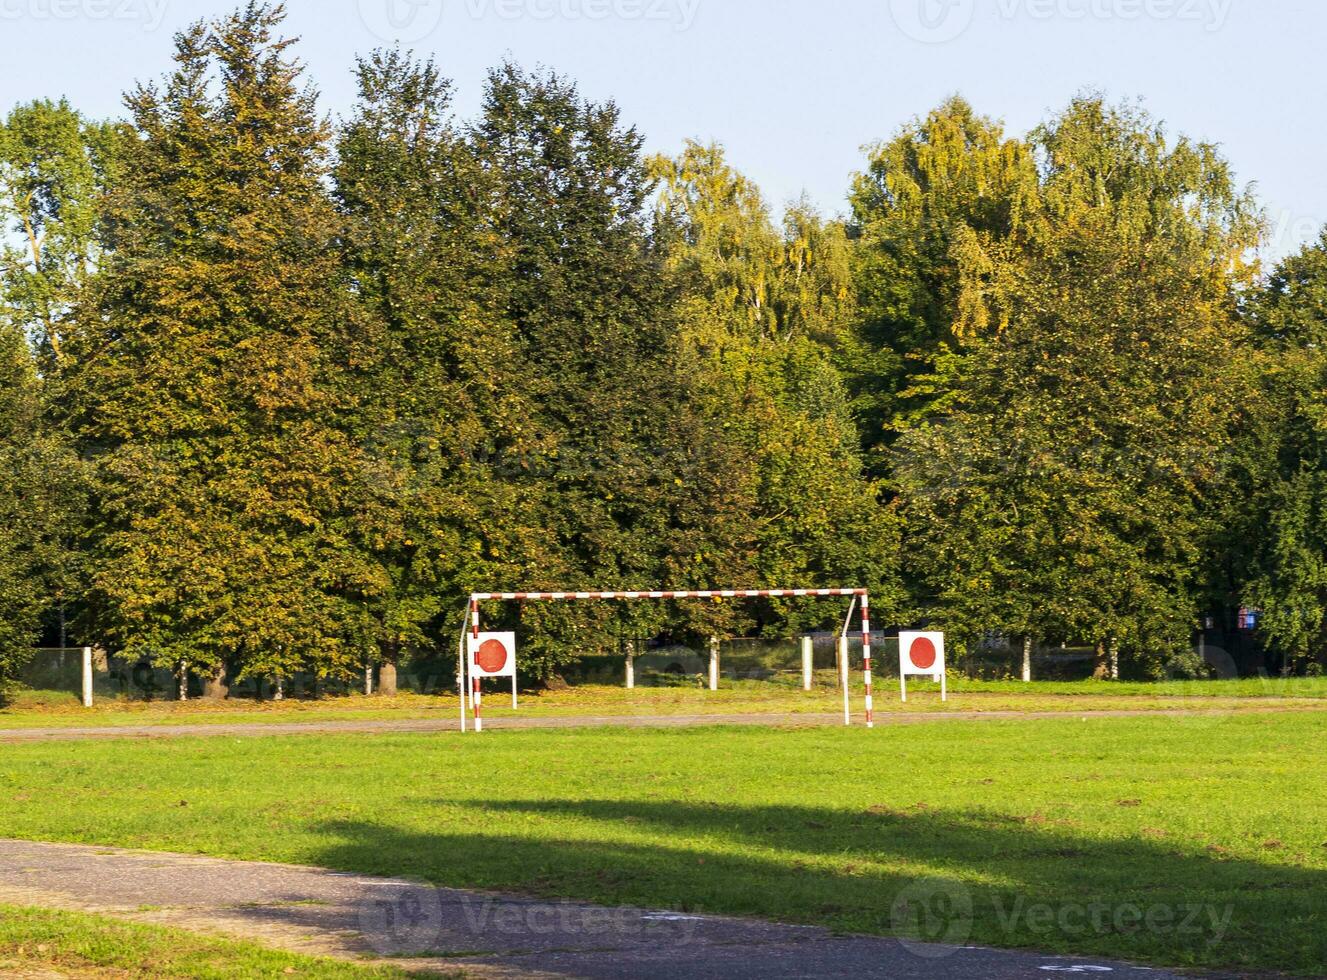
{"points": [[856, 595]]}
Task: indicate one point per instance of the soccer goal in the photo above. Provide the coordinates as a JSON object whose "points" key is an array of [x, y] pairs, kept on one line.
{"points": [[493, 655]]}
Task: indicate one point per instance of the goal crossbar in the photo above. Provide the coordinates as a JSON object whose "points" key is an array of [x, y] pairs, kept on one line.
{"points": [[861, 596], [711, 594]]}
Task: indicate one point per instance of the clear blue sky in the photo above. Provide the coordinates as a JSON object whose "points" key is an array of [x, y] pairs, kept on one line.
{"points": [[793, 88]]}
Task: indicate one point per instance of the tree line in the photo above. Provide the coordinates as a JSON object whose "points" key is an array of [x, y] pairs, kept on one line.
{"points": [[278, 393]]}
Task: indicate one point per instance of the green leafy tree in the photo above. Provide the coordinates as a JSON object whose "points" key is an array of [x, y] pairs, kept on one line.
{"points": [[22, 596], [442, 401], [933, 198], [1285, 545], [1067, 487], [608, 480], [206, 373], [54, 167], [760, 310]]}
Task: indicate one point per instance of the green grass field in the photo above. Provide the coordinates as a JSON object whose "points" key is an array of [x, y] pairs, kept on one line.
{"points": [[52, 709], [42, 943], [1198, 842]]}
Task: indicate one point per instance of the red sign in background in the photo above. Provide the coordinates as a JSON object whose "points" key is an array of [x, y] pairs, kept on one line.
{"points": [[922, 653], [491, 656]]}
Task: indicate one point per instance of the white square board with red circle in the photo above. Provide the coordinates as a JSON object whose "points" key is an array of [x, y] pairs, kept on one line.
{"points": [[922, 655], [493, 655]]}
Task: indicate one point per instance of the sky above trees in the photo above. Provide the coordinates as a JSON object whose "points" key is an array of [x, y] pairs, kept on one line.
{"points": [[793, 88]]}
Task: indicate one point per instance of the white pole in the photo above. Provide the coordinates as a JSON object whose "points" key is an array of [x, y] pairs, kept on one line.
{"points": [[843, 679], [514, 705], [806, 663], [631, 665], [460, 666], [87, 677], [1027, 660], [368, 679], [714, 663]]}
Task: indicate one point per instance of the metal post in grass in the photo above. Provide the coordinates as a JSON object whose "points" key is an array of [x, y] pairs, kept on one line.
{"points": [[714, 663], [806, 663], [460, 664], [1027, 660], [843, 678], [631, 665], [866, 659]]}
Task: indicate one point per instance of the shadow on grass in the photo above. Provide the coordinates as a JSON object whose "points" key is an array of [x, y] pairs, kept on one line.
{"points": [[951, 876]]}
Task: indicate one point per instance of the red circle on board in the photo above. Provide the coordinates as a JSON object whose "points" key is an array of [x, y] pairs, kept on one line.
{"points": [[922, 653], [491, 656]]}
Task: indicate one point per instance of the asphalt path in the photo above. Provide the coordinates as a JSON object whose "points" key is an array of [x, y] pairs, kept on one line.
{"points": [[419, 926], [451, 723]]}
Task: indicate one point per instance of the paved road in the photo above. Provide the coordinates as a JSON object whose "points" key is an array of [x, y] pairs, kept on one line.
{"points": [[328, 913], [450, 724]]}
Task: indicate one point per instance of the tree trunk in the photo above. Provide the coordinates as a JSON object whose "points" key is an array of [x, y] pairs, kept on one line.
{"points": [[280, 693], [387, 679], [216, 688], [1102, 671], [1114, 659], [1027, 660]]}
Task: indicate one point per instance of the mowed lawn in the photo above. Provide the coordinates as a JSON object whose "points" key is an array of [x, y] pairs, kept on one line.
{"points": [[50, 709], [1195, 842], [40, 943]]}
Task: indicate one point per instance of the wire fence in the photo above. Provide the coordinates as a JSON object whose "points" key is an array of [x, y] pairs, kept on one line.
{"points": [[1004, 661], [55, 675], [776, 661]]}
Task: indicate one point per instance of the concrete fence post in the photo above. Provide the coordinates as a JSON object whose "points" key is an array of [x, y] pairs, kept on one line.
{"points": [[807, 664], [87, 677], [631, 665], [714, 663]]}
